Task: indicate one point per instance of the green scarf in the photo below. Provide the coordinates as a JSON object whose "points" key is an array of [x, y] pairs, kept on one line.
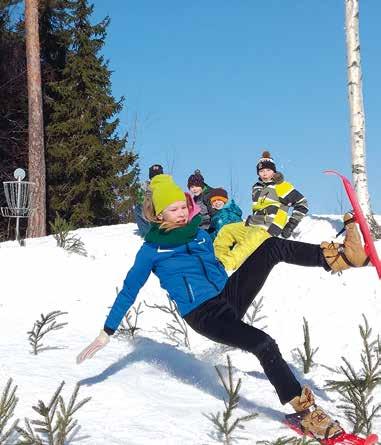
{"points": [[181, 235]]}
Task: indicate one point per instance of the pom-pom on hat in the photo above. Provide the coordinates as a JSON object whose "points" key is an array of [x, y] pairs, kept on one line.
{"points": [[266, 161], [196, 179], [165, 192], [218, 194], [155, 169]]}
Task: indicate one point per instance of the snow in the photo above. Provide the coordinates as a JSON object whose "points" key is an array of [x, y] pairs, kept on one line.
{"points": [[148, 390]]}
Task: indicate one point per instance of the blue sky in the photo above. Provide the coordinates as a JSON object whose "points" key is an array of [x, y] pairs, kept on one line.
{"points": [[212, 83]]}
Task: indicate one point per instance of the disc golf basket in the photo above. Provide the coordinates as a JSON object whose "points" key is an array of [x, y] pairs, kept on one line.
{"points": [[19, 197]]}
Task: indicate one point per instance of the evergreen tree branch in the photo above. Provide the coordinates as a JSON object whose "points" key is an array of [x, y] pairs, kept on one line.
{"points": [[356, 390], [309, 352], [8, 403], [41, 327], [223, 422], [176, 331], [57, 421]]}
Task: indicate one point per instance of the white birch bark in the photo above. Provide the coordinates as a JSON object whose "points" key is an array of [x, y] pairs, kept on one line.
{"points": [[356, 105]]}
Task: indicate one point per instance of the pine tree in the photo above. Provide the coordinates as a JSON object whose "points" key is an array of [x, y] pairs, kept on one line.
{"points": [[92, 177], [36, 144]]}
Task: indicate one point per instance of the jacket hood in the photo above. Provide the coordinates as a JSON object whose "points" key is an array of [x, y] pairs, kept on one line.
{"points": [[233, 207]]}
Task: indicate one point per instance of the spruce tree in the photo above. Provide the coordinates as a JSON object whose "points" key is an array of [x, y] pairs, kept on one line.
{"points": [[54, 18], [92, 176], [13, 104]]}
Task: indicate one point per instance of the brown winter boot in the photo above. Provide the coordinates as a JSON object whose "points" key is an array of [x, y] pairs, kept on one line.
{"points": [[304, 401], [315, 420], [350, 254]]}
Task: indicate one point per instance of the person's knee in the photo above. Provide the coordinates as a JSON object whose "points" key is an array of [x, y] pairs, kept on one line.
{"points": [[267, 351]]}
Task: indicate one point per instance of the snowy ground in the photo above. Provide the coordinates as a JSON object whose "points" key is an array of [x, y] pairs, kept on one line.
{"points": [[149, 390]]}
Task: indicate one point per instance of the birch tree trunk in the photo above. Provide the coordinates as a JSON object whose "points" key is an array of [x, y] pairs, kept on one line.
{"points": [[357, 115], [37, 222]]}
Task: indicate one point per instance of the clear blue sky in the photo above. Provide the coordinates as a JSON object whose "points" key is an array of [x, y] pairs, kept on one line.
{"points": [[214, 82]]}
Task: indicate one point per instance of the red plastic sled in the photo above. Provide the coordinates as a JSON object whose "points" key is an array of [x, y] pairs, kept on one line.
{"points": [[369, 246]]}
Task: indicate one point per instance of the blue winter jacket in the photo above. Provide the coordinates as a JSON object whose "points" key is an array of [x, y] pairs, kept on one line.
{"points": [[230, 213], [190, 273]]}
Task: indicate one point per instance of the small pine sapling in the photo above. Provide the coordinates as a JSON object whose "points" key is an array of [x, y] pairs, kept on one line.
{"points": [[129, 327], [223, 422], [61, 231], [357, 389], [57, 426], [8, 403], [41, 327], [177, 330], [309, 352], [252, 314]]}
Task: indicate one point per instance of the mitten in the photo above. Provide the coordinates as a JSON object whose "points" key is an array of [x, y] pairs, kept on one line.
{"points": [[289, 228]]}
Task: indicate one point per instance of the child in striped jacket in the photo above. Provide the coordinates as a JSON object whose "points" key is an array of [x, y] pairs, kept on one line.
{"points": [[272, 196]]}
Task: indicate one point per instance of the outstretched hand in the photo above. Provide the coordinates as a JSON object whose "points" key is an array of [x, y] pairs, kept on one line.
{"points": [[287, 231], [99, 343]]}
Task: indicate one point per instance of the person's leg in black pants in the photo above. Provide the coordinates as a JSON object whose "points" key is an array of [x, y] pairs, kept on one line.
{"points": [[245, 283], [219, 319]]}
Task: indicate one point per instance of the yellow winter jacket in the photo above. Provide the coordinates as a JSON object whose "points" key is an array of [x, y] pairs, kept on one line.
{"points": [[236, 242]]}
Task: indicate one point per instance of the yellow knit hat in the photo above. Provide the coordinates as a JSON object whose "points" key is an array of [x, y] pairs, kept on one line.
{"points": [[165, 192]]}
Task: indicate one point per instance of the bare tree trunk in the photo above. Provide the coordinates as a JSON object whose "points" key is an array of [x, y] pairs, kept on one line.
{"points": [[37, 222], [357, 115]]}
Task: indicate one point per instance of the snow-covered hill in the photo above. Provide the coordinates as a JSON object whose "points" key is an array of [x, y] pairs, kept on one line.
{"points": [[149, 391]]}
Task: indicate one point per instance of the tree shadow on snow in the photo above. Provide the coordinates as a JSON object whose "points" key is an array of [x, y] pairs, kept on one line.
{"points": [[50, 348], [183, 366]]}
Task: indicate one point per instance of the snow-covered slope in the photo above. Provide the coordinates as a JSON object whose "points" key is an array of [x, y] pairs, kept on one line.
{"points": [[149, 390]]}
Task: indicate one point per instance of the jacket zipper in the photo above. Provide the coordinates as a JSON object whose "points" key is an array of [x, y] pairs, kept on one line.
{"points": [[203, 268], [189, 289], [206, 274], [263, 198]]}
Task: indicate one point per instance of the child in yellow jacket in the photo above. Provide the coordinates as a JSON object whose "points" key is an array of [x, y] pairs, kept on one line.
{"points": [[236, 242]]}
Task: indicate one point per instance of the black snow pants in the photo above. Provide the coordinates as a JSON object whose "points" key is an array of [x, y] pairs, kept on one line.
{"points": [[220, 319]]}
